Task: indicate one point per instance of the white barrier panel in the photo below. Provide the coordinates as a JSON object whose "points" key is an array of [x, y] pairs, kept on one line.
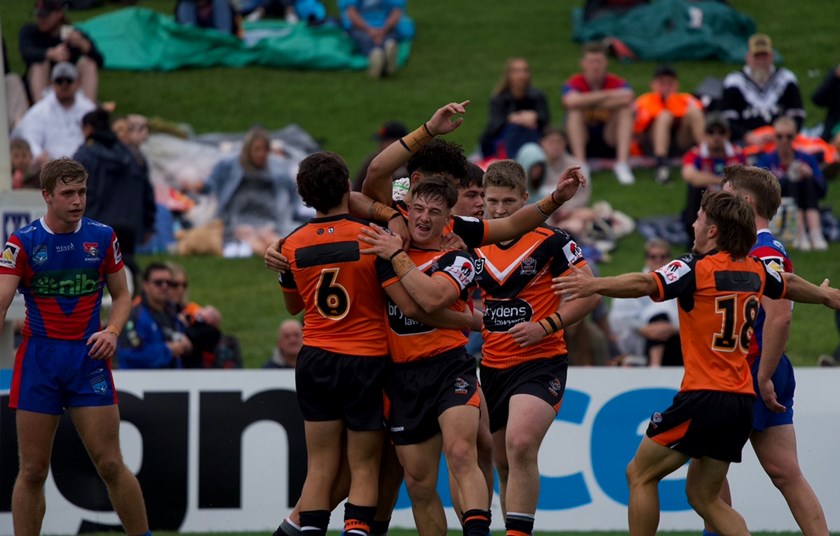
{"points": [[222, 451]]}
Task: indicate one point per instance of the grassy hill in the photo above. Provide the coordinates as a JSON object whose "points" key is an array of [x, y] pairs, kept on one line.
{"points": [[458, 54]]}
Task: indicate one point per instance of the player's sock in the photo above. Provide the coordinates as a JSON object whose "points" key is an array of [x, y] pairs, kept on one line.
{"points": [[519, 524], [314, 522], [357, 519], [379, 528], [709, 533], [476, 522], [287, 528]]}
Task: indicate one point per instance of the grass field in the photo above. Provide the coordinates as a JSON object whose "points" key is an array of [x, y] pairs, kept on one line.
{"points": [[458, 54]]}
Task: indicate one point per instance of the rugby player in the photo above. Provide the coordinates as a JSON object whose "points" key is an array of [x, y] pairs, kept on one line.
{"points": [[719, 291], [60, 263]]}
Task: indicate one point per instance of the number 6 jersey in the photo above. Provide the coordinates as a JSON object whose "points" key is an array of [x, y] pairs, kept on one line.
{"points": [[341, 292]]}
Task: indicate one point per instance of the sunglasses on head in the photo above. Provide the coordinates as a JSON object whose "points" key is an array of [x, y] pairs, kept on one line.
{"points": [[179, 284], [62, 81]]}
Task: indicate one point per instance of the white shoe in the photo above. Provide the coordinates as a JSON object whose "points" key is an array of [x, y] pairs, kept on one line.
{"points": [[623, 173], [818, 241], [391, 53], [802, 243], [376, 63], [255, 15], [663, 175]]}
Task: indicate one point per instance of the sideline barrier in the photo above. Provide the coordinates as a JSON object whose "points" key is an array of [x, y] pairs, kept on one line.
{"points": [[223, 451]]}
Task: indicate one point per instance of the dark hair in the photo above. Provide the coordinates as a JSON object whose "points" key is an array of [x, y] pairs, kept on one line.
{"points": [[594, 47], [439, 156], [435, 188], [474, 177], [764, 187], [63, 169], [323, 180], [734, 220], [154, 266], [99, 120], [506, 174], [19, 144]]}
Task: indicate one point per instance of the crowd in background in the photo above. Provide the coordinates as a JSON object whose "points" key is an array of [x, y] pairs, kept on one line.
{"points": [[246, 198]]}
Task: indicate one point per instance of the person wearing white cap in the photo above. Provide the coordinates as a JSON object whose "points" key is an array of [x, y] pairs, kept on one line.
{"points": [[53, 126]]}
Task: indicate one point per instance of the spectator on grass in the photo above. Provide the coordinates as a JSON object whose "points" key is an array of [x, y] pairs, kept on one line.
{"points": [[216, 14], [644, 328], [153, 336], [599, 113], [518, 112], [377, 27], [52, 40], [24, 173], [119, 191], [16, 100], [801, 178], [257, 198], [289, 343], [544, 163], [387, 134], [202, 324], [53, 126], [703, 165], [828, 96], [668, 122], [760, 93]]}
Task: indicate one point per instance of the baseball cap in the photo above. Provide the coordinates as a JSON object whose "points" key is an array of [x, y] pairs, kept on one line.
{"points": [[64, 70], [392, 130], [760, 44], [665, 70], [45, 7], [716, 119]]}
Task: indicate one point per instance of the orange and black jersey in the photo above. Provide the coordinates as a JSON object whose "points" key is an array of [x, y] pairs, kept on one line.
{"points": [[515, 282], [339, 286], [410, 340], [718, 298], [471, 230]]}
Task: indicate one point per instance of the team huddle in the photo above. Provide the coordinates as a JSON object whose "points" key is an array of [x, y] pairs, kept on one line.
{"points": [[414, 276], [384, 381]]}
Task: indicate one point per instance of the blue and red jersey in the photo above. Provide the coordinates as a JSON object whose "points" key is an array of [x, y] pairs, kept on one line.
{"points": [[62, 276], [773, 254]]}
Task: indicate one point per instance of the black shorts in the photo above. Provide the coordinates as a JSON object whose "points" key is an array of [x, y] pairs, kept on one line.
{"points": [[714, 424], [420, 391], [340, 387], [542, 378]]}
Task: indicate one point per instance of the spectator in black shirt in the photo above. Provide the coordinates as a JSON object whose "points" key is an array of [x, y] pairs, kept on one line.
{"points": [[50, 40]]}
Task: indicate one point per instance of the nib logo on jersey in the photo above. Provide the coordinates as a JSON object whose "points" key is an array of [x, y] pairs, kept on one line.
{"points": [[70, 283], [501, 315]]}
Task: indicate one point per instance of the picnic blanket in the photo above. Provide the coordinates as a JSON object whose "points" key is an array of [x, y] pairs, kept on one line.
{"points": [[671, 30], [144, 40]]}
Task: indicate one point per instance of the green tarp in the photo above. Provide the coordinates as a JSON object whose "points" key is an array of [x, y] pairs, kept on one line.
{"points": [[671, 30], [144, 40]]}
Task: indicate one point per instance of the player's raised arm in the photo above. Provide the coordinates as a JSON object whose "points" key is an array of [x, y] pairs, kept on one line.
{"points": [[378, 181], [580, 284], [532, 216], [802, 291]]}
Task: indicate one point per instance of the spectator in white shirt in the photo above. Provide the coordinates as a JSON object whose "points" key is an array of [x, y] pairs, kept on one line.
{"points": [[53, 126]]}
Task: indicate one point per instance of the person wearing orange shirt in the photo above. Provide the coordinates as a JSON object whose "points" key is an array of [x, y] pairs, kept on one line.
{"points": [[719, 291], [668, 122], [523, 370], [339, 380]]}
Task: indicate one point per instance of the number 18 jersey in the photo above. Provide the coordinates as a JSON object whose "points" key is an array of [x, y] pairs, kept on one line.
{"points": [[718, 298]]}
